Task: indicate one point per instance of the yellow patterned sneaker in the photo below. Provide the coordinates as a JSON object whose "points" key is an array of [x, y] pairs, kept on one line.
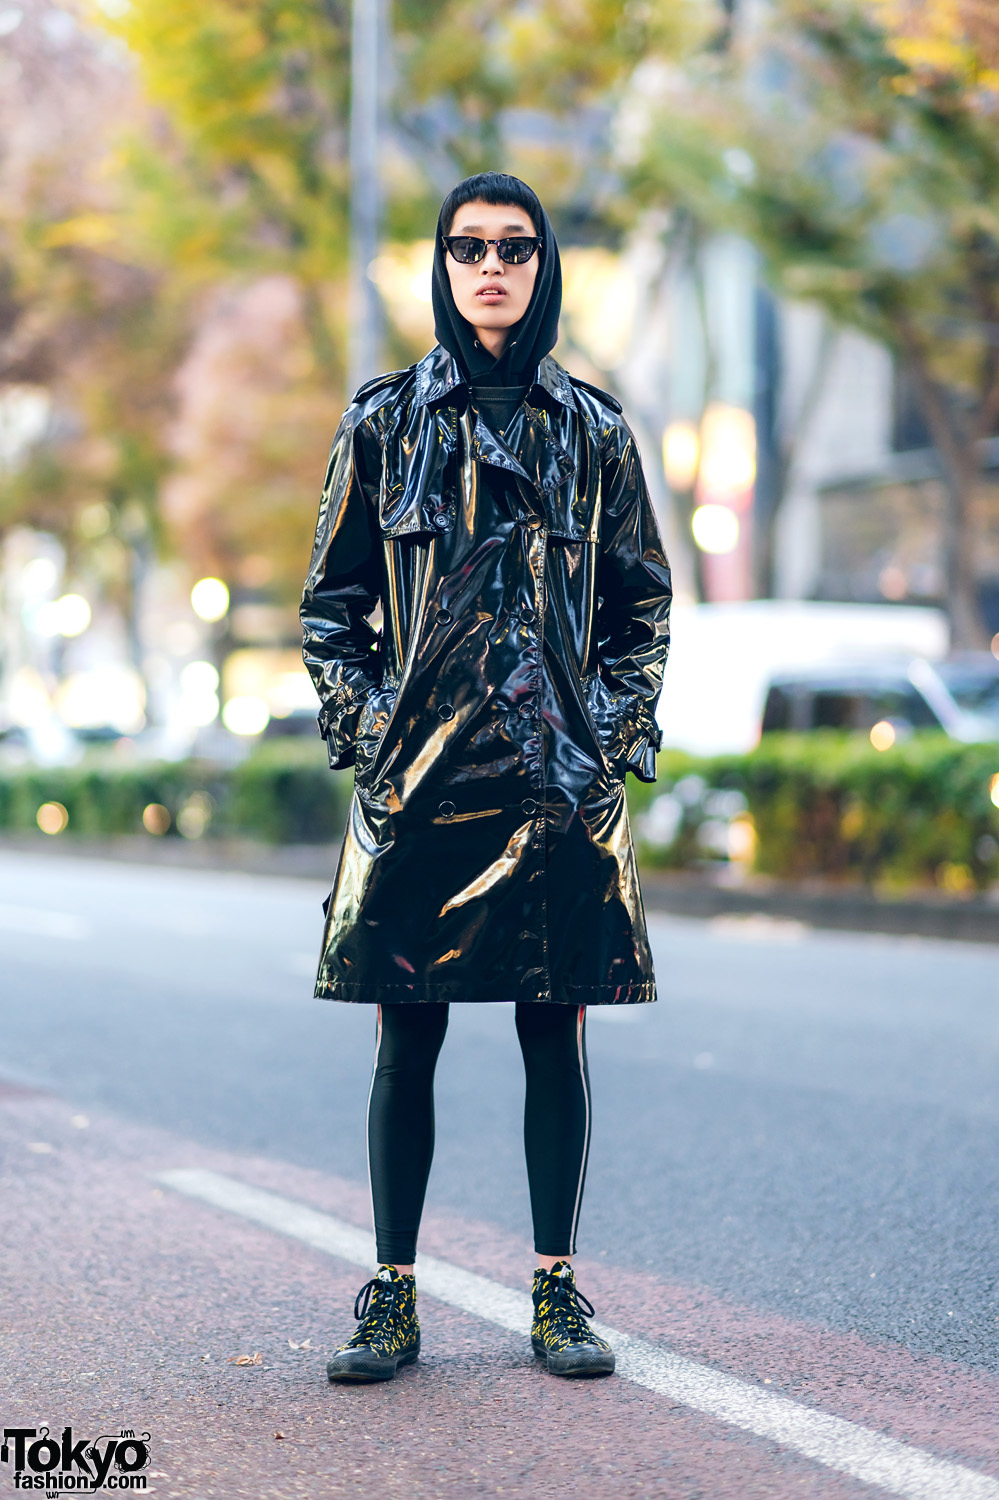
{"points": [[560, 1333], [389, 1330]]}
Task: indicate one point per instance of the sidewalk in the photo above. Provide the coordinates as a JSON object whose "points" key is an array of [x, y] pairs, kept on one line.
{"points": [[931, 914], [206, 1336]]}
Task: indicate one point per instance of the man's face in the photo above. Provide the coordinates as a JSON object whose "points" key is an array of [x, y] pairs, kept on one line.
{"points": [[492, 294]]}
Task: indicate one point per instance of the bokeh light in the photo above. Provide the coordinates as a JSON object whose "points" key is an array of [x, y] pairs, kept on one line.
{"points": [[156, 819], [52, 817], [728, 451], [883, 735], [420, 286], [246, 715], [199, 689], [892, 583], [715, 528], [39, 577], [681, 455], [994, 790], [112, 696], [210, 599], [195, 815], [69, 616], [742, 840]]}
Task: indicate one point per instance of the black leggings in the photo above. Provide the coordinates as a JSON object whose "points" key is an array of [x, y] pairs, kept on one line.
{"points": [[401, 1121]]}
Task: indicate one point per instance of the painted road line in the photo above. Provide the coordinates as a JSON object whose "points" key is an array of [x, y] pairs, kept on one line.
{"points": [[868, 1456], [35, 922]]}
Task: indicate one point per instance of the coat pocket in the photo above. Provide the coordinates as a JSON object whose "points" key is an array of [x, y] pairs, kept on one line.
{"points": [[615, 722], [371, 728]]}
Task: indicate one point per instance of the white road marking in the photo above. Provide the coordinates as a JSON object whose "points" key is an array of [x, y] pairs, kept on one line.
{"points": [[36, 922], [868, 1456], [758, 927]]}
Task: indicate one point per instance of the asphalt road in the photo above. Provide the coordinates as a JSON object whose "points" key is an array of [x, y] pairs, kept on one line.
{"points": [[807, 1124]]}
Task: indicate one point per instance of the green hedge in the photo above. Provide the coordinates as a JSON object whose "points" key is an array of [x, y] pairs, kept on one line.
{"points": [[919, 814], [284, 792]]}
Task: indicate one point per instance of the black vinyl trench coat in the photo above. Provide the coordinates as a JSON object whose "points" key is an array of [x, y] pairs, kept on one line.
{"points": [[525, 605]]}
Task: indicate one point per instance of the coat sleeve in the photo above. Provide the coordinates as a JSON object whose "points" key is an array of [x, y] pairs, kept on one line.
{"points": [[344, 583], [633, 584]]}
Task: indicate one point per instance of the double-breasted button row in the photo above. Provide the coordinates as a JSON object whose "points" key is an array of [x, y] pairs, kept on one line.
{"points": [[528, 806], [442, 520], [527, 614], [526, 710], [534, 523]]}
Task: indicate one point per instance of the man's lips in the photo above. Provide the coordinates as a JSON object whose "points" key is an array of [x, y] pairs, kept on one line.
{"points": [[489, 293]]}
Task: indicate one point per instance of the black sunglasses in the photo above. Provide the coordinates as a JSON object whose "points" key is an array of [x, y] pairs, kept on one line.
{"points": [[468, 249]]}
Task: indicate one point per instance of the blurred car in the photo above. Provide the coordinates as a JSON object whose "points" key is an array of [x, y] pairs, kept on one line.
{"points": [[959, 695], [301, 721]]}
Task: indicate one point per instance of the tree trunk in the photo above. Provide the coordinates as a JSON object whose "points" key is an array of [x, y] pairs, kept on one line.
{"points": [[962, 472]]}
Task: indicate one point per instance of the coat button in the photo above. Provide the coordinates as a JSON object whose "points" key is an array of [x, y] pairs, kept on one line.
{"points": [[444, 617], [446, 809], [442, 520], [534, 523], [528, 615], [529, 806], [526, 710], [445, 711]]}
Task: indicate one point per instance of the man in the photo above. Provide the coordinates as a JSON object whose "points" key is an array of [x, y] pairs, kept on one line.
{"points": [[495, 507]]}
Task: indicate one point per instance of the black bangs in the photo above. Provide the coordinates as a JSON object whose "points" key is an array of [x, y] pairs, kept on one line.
{"points": [[495, 188]]}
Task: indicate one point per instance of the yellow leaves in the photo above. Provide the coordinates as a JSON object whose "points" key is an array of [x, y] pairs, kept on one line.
{"points": [[87, 231], [943, 39], [247, 1359], [562, 47]]}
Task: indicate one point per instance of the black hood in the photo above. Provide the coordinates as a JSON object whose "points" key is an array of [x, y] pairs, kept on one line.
{"points": [[530, 339]]}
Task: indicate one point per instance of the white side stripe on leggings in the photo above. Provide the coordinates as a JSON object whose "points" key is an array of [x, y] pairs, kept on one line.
{"points": [[898, 1468], [367, 1112], [580, 1024]]}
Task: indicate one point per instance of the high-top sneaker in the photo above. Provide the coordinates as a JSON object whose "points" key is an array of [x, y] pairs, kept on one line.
{"points": [[389, 1330], [560, 1333]]}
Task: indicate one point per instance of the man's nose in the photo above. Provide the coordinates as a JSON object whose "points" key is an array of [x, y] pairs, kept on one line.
{"points": [[491, 261]]}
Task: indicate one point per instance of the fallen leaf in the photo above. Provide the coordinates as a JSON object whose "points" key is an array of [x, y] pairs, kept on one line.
{"points": [[247, 1359], [40, 1148], [279, 1434], [305, 1344], [79, 1122], [292, 1345]]}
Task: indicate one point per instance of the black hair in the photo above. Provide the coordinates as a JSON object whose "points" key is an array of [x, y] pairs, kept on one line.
{"points": [[496, 188]]}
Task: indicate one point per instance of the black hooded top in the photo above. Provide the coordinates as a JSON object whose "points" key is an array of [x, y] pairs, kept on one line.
{"points": [[528, 342]]}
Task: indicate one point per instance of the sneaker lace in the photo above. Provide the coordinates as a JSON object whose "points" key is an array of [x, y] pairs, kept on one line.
{"points": [[374, 1308], [572, 1309]]}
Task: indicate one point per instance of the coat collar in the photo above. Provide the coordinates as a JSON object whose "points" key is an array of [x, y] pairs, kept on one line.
{"points": [[438, 377]]}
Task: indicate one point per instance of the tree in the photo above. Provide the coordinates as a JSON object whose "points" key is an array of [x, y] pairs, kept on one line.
{"points": [[90, 333], [237, 174], [865, 168]]}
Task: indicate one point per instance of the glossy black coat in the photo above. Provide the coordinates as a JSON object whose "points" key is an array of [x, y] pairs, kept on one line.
{"points": [[525, 606]]}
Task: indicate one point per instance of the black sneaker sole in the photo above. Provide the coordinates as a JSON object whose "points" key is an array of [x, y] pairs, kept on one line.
{"points": [[363, 1367], [580, 1361]]}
